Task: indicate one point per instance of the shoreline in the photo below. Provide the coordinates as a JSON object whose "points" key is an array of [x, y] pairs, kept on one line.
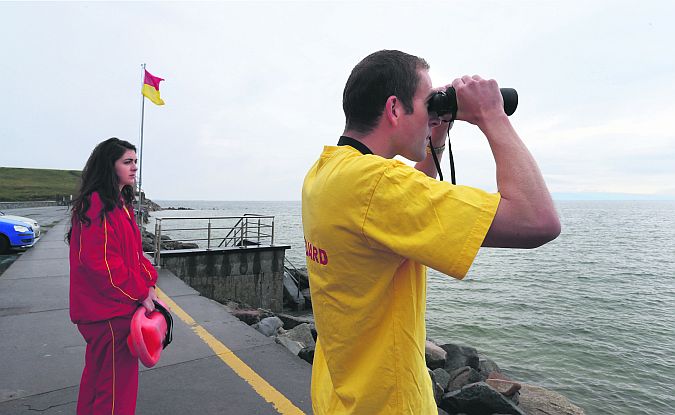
{"points": [[464, 380]]}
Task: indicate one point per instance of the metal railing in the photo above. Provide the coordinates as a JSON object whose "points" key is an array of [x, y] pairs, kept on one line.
{"points": [[221, 231]]}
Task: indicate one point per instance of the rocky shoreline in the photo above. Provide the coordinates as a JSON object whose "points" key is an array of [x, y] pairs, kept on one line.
{"points": [[465, 381]]}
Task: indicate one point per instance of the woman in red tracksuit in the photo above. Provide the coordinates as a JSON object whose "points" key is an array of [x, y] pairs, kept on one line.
{"points": [[109, 278]]}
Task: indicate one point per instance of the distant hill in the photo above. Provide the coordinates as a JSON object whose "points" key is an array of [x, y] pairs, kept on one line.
{"points": [[18, 185]]}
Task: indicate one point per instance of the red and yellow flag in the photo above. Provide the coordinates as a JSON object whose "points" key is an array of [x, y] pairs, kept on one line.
{"points": [[151, 88]]}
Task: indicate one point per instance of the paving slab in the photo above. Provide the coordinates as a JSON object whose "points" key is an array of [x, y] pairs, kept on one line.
{"points": [[33, 294], [40, 253], [58, 402], [37, 269], [40, 352]]}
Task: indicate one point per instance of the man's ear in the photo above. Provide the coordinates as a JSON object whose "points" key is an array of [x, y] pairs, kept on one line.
{"points": [[393, 110]]}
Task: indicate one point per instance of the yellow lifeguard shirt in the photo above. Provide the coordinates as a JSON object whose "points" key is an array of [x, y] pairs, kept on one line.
{"points": [[371, 225]]}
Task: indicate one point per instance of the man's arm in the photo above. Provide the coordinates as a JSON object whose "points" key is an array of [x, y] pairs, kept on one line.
{"points": [[526, 216]]}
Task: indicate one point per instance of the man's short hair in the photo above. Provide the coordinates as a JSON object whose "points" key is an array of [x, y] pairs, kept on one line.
{"points": [[377, 77]]}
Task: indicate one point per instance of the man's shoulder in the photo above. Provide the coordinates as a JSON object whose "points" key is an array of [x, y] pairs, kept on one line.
{"points": [[345, 157]]}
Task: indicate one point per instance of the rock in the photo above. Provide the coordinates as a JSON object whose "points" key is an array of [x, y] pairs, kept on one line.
{"points": [[478, 399], [292, 321], [149, 205], [441, 377], [438, 392], [508, 388], [269, 326], [499, 376], [434, 355], [302, 334], [248, 316], [438, 389], [460, 356], [291, 345], [540, 401], [173, 245], [461, 377], [148, 246], [487, 366], [307, 354], [505, 387]]}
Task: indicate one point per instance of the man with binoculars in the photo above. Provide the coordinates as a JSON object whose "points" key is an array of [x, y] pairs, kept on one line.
{"points": [[379, 223]]}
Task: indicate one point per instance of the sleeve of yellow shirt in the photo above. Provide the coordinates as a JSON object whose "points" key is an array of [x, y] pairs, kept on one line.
{"points": [[432, 222]]}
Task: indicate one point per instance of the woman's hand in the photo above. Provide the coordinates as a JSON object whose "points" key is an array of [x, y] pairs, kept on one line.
{"points": [[148, 302]]}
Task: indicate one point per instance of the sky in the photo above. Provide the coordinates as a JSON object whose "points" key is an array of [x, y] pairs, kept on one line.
{"points": [[253, 89]]}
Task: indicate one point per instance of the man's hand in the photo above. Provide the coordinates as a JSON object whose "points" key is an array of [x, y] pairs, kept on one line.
{"points": [[478, 99], [148, 302]]}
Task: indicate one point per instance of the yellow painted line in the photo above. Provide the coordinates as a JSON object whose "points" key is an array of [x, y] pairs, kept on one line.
{"points": [[281, 403]]}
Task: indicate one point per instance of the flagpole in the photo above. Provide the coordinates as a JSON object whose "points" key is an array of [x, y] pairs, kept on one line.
{"points": [[140, 157]]}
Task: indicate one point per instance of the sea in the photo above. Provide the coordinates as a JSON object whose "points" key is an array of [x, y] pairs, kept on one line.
{"points": [[590, 315]]}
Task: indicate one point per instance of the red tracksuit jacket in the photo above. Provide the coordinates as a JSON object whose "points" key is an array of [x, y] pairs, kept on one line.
{"points": [[109, 276]]}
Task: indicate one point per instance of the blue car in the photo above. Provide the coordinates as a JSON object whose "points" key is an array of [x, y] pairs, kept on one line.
{"points": [[15, 234]]}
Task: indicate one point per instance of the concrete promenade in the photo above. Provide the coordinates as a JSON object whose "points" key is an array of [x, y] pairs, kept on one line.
{"points": [[215, 365]]}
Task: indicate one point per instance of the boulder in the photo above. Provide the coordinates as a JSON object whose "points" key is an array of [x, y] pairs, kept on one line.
{"points": [[173, 245], [248, 316], [505, 387], [292, 345], [269, 326], [307, 354], [292, 321], [461, 377], [148, 246], [487, 366], [434, 355], [441, 377], [508, 388], [438, 392], [498, 375], [540, 401], [460, 356], [302, 334], [478, 399]]}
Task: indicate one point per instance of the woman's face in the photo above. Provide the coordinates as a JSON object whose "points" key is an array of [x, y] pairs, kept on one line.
{"points": [[125, 167]]}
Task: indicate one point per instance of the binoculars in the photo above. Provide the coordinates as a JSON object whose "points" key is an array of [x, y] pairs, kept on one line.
{"points": [[443, 103]]}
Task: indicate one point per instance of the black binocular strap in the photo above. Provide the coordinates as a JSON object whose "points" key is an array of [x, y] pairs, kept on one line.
{"points": [[438, 165]]}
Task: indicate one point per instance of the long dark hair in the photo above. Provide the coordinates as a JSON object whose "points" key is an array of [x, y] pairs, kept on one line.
{"points": [[99, 176]]}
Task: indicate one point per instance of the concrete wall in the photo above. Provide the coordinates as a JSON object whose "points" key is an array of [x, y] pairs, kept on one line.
{"points": [[248, 275]]}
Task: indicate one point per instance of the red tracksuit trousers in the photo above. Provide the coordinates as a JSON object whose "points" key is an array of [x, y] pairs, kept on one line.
{"points": [[109, 382]]}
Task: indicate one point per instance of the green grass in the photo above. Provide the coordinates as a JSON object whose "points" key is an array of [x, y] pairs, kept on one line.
{"points": [[18, 185]]}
